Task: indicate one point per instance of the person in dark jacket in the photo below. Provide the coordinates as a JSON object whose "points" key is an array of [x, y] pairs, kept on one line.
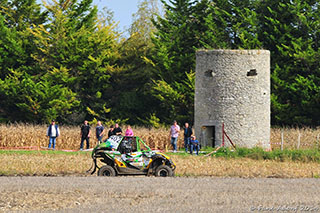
{"points": [[117, 130], [85, 134], [53, 132], [187, 132], [110, 132]]}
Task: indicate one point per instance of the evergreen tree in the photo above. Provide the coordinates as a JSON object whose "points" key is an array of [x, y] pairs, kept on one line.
{"points": [[80, 53], [18, 16], [12, 53], [22, 14], [29, 99], [175, 43], [290, 30], [132, 99], [230, 24]]}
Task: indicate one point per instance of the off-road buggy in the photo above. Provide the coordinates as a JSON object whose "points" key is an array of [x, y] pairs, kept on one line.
{"points": [[124, 155]]}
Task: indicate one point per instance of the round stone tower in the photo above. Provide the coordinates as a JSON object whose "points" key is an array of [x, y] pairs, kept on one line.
{"points": [[233, 90]]}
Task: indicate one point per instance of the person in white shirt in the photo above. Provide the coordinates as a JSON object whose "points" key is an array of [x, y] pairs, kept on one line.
{"points": [[53, 132]]}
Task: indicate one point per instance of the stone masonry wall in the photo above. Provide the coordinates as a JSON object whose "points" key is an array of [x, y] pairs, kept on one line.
{"points": [[233, 87]]}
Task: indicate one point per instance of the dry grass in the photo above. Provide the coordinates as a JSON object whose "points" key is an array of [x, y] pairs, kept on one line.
{"points": [[44, 164], [248, 168], [78, 164], [20, 135]]}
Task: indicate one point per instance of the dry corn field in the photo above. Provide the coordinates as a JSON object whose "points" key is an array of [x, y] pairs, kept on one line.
{"points": [[295, 138], [26, 135]]}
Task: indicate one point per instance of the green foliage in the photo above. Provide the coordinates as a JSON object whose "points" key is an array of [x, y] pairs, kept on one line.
{"points": [[289, 29], [80, 51], [61, 65], [22, 14], [131, 86], [231, 25], [65, 61], [175, 42], [19, 15], [177, 98], [36, 100], [151, 121], [12, 54]]}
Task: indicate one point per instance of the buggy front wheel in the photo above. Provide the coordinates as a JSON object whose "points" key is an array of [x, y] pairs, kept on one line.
{"points": [[106, 171], [164, 171]]}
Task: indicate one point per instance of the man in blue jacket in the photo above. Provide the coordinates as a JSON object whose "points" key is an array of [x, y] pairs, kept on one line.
{"points": [[194, 145], [53, 132]]}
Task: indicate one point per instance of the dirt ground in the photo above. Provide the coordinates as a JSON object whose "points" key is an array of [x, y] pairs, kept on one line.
{"points": [[151, 194]]}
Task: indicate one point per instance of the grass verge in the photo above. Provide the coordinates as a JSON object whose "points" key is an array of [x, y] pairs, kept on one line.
{"points": [[312, 155], [247, 163]]}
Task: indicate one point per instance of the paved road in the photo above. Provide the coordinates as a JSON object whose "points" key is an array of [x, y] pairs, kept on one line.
{"points": [[151, 194]]}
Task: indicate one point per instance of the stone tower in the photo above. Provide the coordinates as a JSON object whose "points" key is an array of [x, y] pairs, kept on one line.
{"points": [[233, 88]]}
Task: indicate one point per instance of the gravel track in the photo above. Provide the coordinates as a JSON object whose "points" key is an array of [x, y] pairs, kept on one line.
{"points": [[151, 194]]}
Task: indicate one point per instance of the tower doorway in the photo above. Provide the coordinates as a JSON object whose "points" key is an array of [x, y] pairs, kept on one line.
{"points": [[208, 134]]}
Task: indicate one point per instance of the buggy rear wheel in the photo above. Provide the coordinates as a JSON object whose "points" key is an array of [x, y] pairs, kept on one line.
{"points": [[106, 171], [164, 171]]}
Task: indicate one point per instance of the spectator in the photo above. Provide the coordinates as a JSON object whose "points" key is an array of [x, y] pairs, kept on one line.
{"points": [[85, 134], [110, 132], [117, 130], [129, 131], [99, 131], [195, 145], [174, 133], [53, 132], [187, 132]]}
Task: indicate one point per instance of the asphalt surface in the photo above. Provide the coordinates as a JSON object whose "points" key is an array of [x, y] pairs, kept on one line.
{"points": [[151, 194]]}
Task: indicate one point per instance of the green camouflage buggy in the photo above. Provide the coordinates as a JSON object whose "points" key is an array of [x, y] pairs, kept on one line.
{"points": [[126, 155]]}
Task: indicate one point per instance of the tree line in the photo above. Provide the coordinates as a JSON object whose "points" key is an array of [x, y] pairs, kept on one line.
{"points": [[66, 60]]}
